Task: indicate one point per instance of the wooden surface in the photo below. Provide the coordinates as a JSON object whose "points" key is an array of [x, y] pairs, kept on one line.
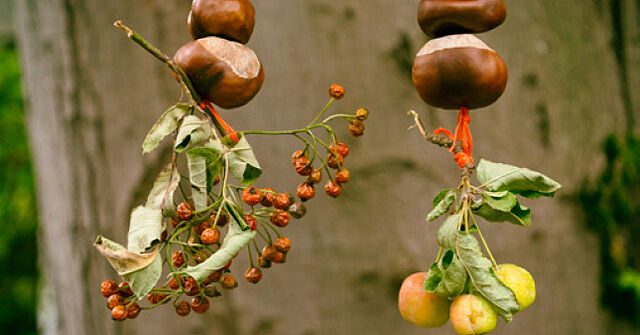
{"points": [[92, 95]]}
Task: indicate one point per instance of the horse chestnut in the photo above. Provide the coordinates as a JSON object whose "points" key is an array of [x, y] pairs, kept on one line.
{"points": [[459, 71], [229, 19], [227, 73], [449, 17]]}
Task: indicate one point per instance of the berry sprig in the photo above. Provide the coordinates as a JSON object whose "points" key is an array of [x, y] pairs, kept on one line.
{"points": [[196, 222]]}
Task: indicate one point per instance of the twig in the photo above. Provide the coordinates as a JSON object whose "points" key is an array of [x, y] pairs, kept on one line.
{"points": [[179, 74]]}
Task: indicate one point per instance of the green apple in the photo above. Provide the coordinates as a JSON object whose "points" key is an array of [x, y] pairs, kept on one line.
{"points": [[422, 308], [520, 282], [472, 314]]}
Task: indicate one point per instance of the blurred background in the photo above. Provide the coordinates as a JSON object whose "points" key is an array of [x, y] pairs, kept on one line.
{"points": [[77, 98]]}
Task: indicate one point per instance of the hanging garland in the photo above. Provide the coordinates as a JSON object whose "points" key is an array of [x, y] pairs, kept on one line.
{"points": [[456, 70], [198, 236]]}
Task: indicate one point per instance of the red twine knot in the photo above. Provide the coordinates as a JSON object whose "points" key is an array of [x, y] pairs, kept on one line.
{"points": [[227, 128], [462, 134]]}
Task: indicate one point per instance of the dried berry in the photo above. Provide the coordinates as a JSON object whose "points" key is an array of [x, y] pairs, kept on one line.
{"points": [[298, 210], [263, 262], [178, 258], [306, 191], [211, 291], [362, 114], [191, 287], [280, 218], [214, 276], [228, 282], [303, 166], [223, 219], [279, 257], [164, 235], [332, 189], [228, 266], [200, 227], [108, 287], [251, 222], [336, 91], [184, 211], [356, 128], [251, 196], [173, 284], [253, 275], [210, 236], [133, 310], [341, 148], [282, 244], [296, 155], [269, 197], [119, 313], [115, 300], [183, 308], [283, 200], [315, 177], [125, 289], [269, 252], [343, 176], [156, 298], [173, 222], [335, 161], [199, 258], [199, 304]]}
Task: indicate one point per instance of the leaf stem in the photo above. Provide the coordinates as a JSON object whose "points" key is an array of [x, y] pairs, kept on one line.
{"points": [[493, 261]]}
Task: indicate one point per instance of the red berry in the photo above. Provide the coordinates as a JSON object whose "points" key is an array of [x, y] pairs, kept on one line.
{"points": [[356, 128], [341, 148], [280, 218], [283, 200], [210, 236], [282, 244], [251, 196], [251, 222], [269, 197], [315, 177], [199, 258], [115, 300], [184, 211], [332, 189], [228, 266], [223, 219], [335, 161], [253, 275], [200, 227], [199, 304], [173, 284], [133, 310], [303, 166], [263, 262], [343, 176], [164, 235], [269, 252], [125, 289], [306, 191], [108, 287], [173, 222], [119, 313], [279, 257], [296, 155], [336, 91], [155, 298], [228, 282], [214, 276], [178, 258], [183, 308], [191, 287]]}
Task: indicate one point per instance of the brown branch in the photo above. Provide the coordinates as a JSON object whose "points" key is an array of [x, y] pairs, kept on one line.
{"points": [[440, 140], [179, 74]]}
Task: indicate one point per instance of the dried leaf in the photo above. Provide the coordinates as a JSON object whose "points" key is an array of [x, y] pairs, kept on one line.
{"points": [[166, 124]]}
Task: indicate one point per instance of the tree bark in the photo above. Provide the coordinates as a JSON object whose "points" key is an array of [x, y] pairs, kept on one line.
{"points": [[92, 95]]}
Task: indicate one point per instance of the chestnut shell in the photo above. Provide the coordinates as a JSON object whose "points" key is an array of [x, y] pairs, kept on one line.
{"points": [[459, 71], [448, 17], [226, 73], [230, 19]]}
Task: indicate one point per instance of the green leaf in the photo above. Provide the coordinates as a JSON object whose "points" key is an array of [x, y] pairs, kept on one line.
{"points": [[143, 281], [442, 203], [504, 177], [192, 132], [448, 277], [163, 187], [198, 178], [243, 165], [166, 124], [483, 277], [503, 209], [145, 227], [235, 240], [448, 232], [214, 161], [121, 259]]}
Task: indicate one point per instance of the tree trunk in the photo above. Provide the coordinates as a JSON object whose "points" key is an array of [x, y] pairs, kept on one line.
{"points": [[92, 95]]}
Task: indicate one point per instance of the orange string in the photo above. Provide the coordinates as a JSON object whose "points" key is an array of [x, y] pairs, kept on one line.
{"points": [[462, 134], [227, 128]]}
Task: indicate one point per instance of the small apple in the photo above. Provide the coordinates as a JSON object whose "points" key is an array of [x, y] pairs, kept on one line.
{"points": [[472, 314], [422, 308], [520, 282]]}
